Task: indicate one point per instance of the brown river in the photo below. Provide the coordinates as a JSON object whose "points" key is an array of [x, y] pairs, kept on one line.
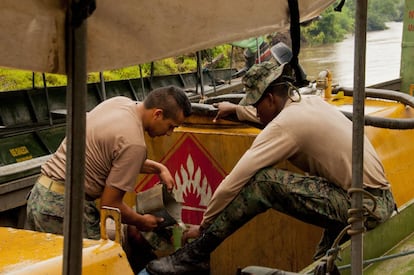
{"points": [[383, 55]]}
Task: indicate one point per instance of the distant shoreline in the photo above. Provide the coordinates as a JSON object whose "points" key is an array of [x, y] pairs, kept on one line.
{"points": [[383, 57]]}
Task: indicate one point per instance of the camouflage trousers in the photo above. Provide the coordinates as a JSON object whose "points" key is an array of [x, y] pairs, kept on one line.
{"points": [[45, 213], [310, 199]]}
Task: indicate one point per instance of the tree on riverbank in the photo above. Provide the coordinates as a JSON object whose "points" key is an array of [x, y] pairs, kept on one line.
{"points": [[332, 26]]}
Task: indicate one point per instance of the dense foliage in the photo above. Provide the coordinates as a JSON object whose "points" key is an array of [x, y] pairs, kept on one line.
{"points": [[330, 27]]}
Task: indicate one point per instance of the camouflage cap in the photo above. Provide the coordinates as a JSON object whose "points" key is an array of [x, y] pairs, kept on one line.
{"points": [[258, 78]]}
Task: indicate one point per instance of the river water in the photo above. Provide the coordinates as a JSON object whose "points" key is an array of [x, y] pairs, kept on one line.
{"points": [[383, 55]]}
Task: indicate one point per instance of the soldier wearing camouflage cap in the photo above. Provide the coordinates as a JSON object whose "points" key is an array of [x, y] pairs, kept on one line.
{"points": [[260, 76], [257, 81], [306, 132]]}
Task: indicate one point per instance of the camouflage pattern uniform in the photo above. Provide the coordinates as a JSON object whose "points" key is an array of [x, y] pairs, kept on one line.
{"points": [[308, 198], [46, 213]]}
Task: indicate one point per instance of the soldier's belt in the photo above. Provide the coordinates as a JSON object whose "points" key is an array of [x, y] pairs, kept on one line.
{"points": [[375, 191], [54, 186]]}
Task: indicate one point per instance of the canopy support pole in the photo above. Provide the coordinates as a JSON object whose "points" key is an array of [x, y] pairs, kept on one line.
{"points": [[75, 134], [102, 82], [358, 134], [200, 74]]}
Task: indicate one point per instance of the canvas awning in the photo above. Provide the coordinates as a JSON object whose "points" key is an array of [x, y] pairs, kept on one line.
{"points": [[131, 32]]}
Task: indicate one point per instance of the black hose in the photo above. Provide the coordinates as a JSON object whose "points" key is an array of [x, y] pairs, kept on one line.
{"points": [[380, 122]]}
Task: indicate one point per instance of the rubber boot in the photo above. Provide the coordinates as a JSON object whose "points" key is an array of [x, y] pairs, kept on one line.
{"points": [[193, 258], [326, 242]]}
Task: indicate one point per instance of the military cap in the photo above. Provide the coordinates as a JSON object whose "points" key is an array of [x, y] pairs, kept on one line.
{"points": [[258, 78]]}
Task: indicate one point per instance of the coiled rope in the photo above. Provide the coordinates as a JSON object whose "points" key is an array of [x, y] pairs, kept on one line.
{"points": [[356, 215]]}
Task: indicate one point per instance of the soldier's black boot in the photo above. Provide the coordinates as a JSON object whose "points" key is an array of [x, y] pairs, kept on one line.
{"points": [[193, 258]]}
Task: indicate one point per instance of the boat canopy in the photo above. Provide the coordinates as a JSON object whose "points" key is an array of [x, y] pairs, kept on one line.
{"points": [[130, 32]]}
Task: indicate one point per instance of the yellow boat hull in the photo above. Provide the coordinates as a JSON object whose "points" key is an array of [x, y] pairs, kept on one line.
{"points": [[200, 154], [29, 252]]}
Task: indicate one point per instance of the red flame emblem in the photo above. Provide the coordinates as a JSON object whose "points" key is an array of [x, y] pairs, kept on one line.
{"points": [[197, 175]]}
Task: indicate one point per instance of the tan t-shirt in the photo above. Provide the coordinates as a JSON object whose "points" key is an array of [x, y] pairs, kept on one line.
{"points": [[314, 136], [115, 148]]}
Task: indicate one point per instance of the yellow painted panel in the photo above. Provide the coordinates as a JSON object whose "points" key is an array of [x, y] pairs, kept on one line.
{"points": [[225, 142], [29, 252], [394, 147]]}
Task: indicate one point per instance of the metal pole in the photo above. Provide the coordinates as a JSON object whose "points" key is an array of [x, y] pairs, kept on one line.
{"points": [[75, 133], [33, 80], [200, 74], [47, 99], [358, 133], [142, 80], [213, 74], [258, 53], [231, 63], [103, 88], [151, 76]]}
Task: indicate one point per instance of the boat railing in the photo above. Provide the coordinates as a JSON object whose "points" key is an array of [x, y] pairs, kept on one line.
{"points": [[16, 180], [25, 109]]}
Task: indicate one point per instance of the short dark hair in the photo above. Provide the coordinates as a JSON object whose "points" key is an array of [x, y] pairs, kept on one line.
{"points": [[171, 99]]}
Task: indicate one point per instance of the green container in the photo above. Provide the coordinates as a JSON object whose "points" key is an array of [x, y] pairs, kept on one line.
{"points": [[407, 51]]}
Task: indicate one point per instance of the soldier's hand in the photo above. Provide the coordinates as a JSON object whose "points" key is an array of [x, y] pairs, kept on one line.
{"points": [[225, 108], [149, 222], [192, 232], [167, 178]]}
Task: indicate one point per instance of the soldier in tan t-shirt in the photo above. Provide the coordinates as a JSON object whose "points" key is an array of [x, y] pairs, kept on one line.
{"points": [[311, 134], [115, 154]]}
